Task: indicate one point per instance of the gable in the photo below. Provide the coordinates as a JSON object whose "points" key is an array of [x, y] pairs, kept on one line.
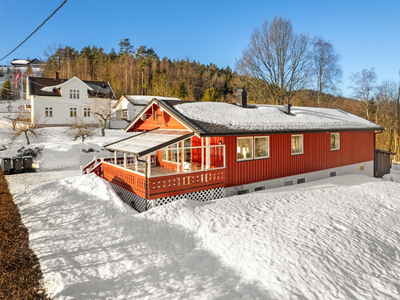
{"points": [[155, 116]]}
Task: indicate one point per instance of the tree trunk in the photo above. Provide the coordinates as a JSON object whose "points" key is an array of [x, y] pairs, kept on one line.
{"points": [[27, 137]]}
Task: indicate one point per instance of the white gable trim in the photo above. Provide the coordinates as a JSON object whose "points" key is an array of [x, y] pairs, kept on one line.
{"points": [[51, 88]]}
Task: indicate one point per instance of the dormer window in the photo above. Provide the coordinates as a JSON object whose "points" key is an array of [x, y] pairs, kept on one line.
{"points": [[73, 94]]}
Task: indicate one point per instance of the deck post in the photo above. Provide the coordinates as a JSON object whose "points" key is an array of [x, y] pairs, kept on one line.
{"points": [[115, 157], [136, 163], [125, 162], [208, 152], [202, 154], [149, 165], [224, 157], [177, 157]]}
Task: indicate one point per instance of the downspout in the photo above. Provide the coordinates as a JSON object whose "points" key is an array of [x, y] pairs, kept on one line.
{"points": [[375, 133], [145, 179]]}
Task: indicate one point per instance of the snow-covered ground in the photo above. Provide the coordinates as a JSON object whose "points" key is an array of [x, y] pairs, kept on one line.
{"points": [[337, 238], [59, 151]]}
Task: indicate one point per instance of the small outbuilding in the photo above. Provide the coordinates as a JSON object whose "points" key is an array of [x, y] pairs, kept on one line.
{"points": [[382, 162]]}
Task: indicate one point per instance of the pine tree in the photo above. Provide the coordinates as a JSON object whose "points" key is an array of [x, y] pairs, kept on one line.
{"points": [[5, 93]]}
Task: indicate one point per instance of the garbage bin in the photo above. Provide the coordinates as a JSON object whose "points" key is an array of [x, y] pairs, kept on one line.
{"points": [[5, 164], [27, 163], [17, 162]]}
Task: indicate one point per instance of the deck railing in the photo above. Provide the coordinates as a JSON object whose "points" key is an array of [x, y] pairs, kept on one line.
{"points": [[162, 186]]}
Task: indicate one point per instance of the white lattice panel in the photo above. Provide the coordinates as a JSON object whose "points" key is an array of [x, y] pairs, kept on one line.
{"points": [[130, 198], [205, 195]]}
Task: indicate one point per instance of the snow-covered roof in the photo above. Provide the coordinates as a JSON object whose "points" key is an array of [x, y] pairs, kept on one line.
{"points": [[58, 86], [20, 62], [226, 118]]}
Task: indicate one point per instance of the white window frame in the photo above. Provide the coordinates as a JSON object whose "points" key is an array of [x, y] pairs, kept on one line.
{"points": [[73, 94], [86, 112], [254, 146], [48, 112], [169, 150], [302, 144], [338, 134], [73, 112]]}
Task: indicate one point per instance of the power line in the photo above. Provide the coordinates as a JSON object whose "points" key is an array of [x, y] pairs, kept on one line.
{"points": [[35, 30]]}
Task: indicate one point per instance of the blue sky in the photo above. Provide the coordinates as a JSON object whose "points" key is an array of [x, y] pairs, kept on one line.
{"points": [[365, 33]]}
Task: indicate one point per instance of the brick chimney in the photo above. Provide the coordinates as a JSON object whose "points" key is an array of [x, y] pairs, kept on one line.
{"points": [[57, 75]]}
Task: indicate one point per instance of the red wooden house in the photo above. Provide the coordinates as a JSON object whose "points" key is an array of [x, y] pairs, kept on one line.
{"points": [[209, 150]]}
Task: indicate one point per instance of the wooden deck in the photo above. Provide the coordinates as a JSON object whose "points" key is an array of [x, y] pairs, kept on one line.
{"points": [[163, 183]]}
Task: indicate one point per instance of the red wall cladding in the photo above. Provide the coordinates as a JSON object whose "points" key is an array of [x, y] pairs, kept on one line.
{"points": [[355, 147]]}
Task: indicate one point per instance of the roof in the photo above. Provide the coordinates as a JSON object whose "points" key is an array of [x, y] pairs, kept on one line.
{"points": [[216, 118], [147, 142], [23, 61], [38, 85], [142, 100]]}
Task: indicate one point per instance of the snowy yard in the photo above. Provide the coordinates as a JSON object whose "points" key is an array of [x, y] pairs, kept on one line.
{"points": [[337, 238], [328, 240]]}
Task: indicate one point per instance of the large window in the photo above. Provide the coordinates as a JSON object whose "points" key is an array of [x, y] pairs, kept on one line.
{"points": [[48, 112], [73, 94], [72, 112], [335, 141], [170, 153], [261, 147], [297, 144], [244, 148]]}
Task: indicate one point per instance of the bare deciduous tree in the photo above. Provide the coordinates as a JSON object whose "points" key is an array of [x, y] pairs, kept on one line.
{"points": [[80, 129], [101, 108], [277, 56], [25, 125], [364, 87], [326, 71]]}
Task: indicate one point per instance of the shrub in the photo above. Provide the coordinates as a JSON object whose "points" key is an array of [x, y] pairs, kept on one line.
{"points": [[30, 152]]}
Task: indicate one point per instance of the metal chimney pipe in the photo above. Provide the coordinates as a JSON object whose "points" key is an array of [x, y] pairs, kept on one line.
{"points": [[241, 97], [287, 107]]}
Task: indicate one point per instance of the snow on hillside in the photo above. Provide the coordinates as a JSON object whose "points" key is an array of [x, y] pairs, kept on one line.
{"points": [[337, 238]]}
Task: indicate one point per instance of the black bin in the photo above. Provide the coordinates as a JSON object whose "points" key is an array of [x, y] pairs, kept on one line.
{"points": [[27, 163], [17, 162], [5, 164]]}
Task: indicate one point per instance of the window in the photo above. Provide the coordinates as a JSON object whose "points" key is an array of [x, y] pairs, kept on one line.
{"points": [[244, 148], [187, 152], [170, 153], [73, 94], [86, 112], [124, 114], [72, 112], [297, 144], [243, 192], [335, 141], [301, 180], [261, 147], [48, 112]]}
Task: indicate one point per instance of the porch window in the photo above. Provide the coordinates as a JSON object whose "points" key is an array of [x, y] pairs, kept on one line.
{"points": [[244, 148], [170, 154], [72, 112], [297, 144], [73, 94], [261, 147], [335, 141], [48, 112]]}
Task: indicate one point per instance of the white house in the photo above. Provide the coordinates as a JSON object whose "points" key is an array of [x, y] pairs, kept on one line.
{"points": [[61, 102], [129, 106]]}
